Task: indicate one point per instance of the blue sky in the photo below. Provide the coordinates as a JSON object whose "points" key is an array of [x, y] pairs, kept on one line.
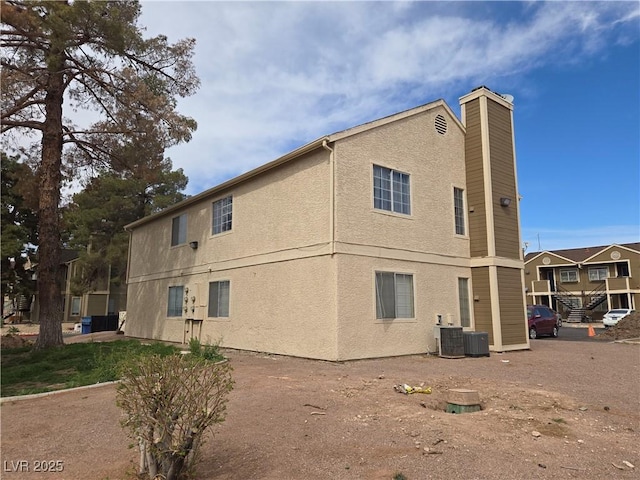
{"points": [[275, 76]]}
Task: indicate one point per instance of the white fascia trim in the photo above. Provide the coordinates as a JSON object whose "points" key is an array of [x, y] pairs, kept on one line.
{"points": [[484, 91], [486, 172], [393, 118], [496, 319], [571, 262], [515, 176], [609, 248], [497, 262]]}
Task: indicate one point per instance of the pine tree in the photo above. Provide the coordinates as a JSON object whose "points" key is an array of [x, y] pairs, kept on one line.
{"points": [[19, 227], [92, 56], [94, 221]]}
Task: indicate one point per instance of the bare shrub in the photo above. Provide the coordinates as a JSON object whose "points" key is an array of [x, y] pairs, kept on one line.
{"points": [[169, 403]]}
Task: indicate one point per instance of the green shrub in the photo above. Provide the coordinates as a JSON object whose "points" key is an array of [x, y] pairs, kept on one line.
{"points": [[208, 352]]}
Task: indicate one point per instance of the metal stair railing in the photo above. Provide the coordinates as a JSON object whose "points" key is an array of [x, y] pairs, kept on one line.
{"points": [[565, 297], [596, 296]]}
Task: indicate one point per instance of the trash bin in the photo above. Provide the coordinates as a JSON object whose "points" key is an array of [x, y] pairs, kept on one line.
{"points": [[104, 323], [86, 324]]}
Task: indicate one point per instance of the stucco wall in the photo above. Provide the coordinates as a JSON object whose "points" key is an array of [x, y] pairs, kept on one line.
{"points": [[435, 164], [275, 257], [286, 208], [283, 307], [362, 335]]}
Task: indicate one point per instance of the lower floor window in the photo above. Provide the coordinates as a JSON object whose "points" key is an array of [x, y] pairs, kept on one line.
{"points": [[174, 308], [75, 306], [219, 299], [394, 295]]}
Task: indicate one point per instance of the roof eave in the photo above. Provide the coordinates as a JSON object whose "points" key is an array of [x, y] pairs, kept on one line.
{"points": [[231, 182], [395, 117]]}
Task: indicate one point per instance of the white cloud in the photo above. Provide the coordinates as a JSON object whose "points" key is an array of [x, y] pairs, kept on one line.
{"points": [[276, 75]]}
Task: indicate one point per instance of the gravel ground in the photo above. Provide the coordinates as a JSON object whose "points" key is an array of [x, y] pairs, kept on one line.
{"points": [[567, 410]]}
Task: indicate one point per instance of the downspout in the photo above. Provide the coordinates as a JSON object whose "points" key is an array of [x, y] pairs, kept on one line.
{"points": [[332, 202], [126, 277]]}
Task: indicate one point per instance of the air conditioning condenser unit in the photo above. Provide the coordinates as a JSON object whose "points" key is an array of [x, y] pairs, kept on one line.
{"points": [[450, 342], [476, 344]]}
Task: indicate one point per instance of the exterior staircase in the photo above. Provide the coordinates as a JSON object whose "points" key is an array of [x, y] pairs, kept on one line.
{"points": [[576, 315], [588, 301], [598, 296], [564, 297]]}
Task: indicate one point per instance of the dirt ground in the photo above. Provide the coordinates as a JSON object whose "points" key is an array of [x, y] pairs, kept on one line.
{"points": [[562, 410], [628, 327]]}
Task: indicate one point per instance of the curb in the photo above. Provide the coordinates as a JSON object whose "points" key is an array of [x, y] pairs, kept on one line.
{"points": [[582, 325], [17, 398], [629, 341]]}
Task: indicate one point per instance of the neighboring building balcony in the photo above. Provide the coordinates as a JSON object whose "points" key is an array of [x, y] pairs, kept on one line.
{"points": [[618, 284], [541, 286]]}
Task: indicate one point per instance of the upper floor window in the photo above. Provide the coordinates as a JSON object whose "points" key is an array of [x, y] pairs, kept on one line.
{"points": [[598, 273], [394, 295], [458, 210], [391, 190], [222, 213], [179, 230], [569, 275], [219, 299], [174, 307]]}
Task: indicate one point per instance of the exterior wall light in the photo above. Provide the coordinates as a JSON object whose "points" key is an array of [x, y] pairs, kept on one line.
{"points": [[193, 245], [505, 201]]}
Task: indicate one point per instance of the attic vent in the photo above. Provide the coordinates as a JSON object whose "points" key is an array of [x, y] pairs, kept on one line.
{"points": [[441, 124]]}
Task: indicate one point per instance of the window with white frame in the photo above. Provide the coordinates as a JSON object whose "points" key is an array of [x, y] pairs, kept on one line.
{"points": [[219, 299], [174, 307], [75, 306], [463, 300], [179, 230], [394, 295], [598, 273], [458, 209], [569, 275], [391, 190], [222, 213]]}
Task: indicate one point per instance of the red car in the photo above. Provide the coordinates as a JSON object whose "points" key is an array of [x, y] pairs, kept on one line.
{"points": [[542, 321]]}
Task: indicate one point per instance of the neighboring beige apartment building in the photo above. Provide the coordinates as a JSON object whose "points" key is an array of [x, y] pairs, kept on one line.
{"points": [[104, 299], [349, 247], [585, 282]]}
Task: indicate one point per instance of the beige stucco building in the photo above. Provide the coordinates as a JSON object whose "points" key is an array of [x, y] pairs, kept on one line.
{"points": [[351, 246]]}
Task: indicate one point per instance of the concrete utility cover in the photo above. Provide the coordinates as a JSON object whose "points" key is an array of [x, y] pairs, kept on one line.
{"points": [[463, 396]]}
